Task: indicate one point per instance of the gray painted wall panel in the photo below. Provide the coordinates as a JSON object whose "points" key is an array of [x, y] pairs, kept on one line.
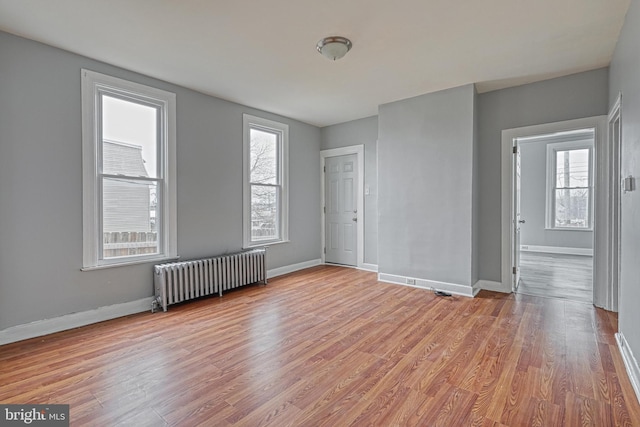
{"points": [[425, 167], [625, 78], [565, 98], [533, 202], [41, 186], [361, 132]]}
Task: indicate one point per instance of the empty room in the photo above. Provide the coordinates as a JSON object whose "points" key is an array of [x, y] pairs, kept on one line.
{"points": [[414, 213]]}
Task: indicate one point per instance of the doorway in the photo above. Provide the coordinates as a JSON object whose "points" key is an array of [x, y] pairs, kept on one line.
{"points": [[554, 192], [600, 210], [342, 206]]}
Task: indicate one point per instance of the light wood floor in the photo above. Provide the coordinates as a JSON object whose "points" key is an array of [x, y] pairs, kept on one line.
{"points": [[332, 346], [556, 276]]}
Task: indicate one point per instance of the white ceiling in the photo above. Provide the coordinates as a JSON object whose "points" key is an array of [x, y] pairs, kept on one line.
{"points": [[262, 53]]}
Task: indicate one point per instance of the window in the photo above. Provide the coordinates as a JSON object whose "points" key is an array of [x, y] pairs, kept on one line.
{"points": [[128, 150], [265, 195], [570, 185]]}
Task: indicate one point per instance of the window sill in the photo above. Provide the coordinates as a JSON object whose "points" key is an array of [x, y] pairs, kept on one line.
{"points": [[264, 244], [157, 260], [567, 229]]}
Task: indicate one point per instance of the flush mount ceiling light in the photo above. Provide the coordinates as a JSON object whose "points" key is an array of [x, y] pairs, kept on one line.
{"points": [[334, 47]]}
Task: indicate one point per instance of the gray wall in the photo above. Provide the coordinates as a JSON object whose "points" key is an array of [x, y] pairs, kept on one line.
{"points": [[361, 132], [425, 173], [533, 201], [565, 98], [625, 78], [41, 186]]}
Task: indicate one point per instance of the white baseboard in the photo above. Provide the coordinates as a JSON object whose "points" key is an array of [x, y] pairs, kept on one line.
{"points": [[453, 288], [557, 250], [275, 272], [369, 267], [630, 362], [490, 285], [73, 320]]}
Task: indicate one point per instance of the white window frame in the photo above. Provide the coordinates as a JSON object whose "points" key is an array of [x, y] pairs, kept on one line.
{"points": [[282, 131], [550, 212], [94, 85]]}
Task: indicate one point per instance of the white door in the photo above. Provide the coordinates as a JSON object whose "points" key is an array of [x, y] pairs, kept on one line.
{"points": [[517, 220], [341, 214]]}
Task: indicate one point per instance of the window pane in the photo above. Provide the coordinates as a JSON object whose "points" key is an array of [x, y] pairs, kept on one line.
{"points": [[264, 212], [263, 157], [572, 208], [572, 168], [129, 217], [129, 132]]}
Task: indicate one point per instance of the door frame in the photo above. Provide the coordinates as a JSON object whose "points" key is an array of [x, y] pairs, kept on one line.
{"points": [[615, 204], [601, 204], [358, 150]]}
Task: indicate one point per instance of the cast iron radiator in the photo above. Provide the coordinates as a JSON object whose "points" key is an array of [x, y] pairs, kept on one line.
{"points": [[180, 281]]}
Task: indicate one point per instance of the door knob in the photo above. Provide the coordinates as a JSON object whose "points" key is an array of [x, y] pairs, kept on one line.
{"points": [[521, 221]]}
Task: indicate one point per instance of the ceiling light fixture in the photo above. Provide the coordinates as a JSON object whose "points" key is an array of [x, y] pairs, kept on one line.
{"points": [[334, 47]]}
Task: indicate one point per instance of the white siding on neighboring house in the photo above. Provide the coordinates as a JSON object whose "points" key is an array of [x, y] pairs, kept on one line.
{"points": [[127, 202]]}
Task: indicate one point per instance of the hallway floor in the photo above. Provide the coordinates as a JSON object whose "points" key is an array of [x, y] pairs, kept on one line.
{"points": [[562, 276]]}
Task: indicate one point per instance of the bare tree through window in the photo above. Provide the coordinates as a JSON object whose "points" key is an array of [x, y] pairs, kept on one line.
{"points": [[265, 181], [264, 184]]}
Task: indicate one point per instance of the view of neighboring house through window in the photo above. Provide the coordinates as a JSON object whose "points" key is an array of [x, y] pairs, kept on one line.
{"points": [[265, 148], [570, 185], [128, 171], [129, 177]]}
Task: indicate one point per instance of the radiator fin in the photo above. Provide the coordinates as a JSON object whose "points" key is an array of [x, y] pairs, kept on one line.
{"points": [[185, 280]]}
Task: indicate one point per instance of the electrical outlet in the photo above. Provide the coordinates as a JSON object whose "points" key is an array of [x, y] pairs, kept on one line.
{"points": [[411, 281]]}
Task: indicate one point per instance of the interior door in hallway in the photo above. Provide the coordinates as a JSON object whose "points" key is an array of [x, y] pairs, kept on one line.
{"points": [[341, 214]]}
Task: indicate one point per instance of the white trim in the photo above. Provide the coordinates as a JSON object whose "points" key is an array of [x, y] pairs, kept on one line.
{"points": [[369, 267], [453, 288], [630, 363], [570, 136], [282, 130], [589, 230], [611, 271], [557, 250], [73, 320], [159, 260], [617, 106], [490, 285], [507, 190], [358, 150], [93, 84], [279, 271]]}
